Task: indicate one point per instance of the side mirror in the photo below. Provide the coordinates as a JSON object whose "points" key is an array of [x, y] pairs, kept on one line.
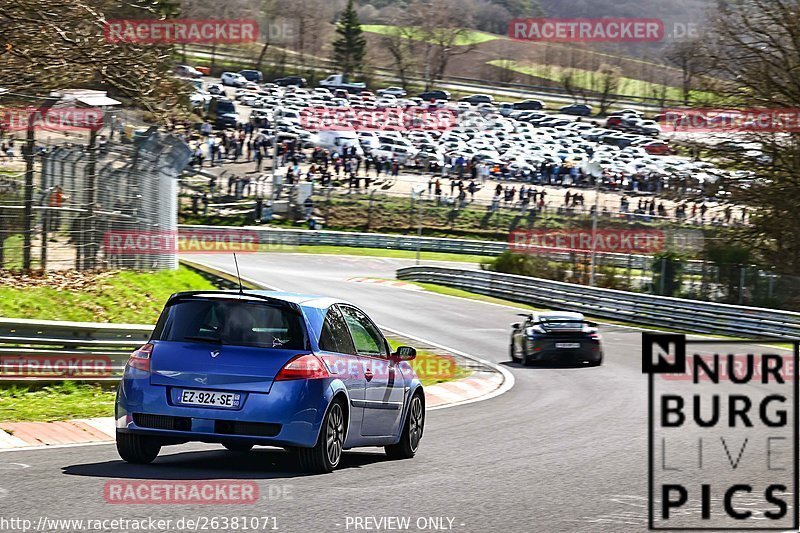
{"points": [[516, 325], [405, 353]]}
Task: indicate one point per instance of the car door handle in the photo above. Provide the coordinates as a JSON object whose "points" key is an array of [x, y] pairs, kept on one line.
{"points": [[368, 374]]}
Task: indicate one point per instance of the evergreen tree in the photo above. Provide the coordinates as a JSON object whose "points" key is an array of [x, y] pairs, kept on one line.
{"points": [[350, 47]]}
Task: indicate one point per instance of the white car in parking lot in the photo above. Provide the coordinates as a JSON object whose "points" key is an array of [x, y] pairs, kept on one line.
{"points": [[233, 79]]}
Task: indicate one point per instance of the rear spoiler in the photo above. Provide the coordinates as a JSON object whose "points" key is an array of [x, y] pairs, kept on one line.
{"points": [[566, 321], [186, 295]]}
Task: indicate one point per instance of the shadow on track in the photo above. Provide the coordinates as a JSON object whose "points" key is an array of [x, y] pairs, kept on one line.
{"points": [[260, 463], [548, 365]]}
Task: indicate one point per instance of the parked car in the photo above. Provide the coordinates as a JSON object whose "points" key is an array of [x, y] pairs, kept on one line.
{"points": [[222, 112], [529, 105], [215, 89], [340, 81], [556, 337], [252, 75], [398, 92], [614, 121], [188, 72], [475, 99], [582, 110], [435, 95], [656, 148], [313, 375], [233, 79], [288, 81]]}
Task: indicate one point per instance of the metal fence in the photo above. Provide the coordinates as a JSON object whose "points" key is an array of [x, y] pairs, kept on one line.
{"points": [[660, 311], [83, 194]]}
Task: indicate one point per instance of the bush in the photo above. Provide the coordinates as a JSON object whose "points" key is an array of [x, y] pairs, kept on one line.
{"points": [[526, 265]]}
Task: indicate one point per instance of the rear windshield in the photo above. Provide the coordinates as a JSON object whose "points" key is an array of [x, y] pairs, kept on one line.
{"points": [[234, 322]]}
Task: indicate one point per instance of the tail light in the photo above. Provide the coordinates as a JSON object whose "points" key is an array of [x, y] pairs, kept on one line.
{"points": [[140, 359], [304, 366], [595, 336]]}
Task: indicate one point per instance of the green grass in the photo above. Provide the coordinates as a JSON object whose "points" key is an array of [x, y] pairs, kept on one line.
{"points": [[584, 79], [125, 297], [12, 252], [466, 38], [55, 402], [376, 252]]}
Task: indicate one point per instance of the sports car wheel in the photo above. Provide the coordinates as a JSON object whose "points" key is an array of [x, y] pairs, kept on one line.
{"points": [[513, 353], [327, 453], [412, 432]]}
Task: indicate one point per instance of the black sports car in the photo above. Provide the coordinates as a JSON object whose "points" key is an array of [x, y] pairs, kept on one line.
{"points": [[557, 337]]}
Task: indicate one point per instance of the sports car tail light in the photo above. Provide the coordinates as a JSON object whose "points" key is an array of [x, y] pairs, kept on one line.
{"points": [[303, 366], [140, 359], [595, 336]]}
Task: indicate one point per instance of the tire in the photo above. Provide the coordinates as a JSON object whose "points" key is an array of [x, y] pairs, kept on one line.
{"points": [[238, 447], [137, 449], [512, 353], [326, 454], [412, 431]]}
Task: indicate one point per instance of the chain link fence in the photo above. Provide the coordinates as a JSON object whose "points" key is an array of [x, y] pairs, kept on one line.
{"points": [[89, 200]]}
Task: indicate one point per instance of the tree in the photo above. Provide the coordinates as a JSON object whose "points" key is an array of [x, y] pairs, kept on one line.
{"points": [[442, 27], [687, 57], [756, 55], [607, 85], [402, 47], [350, 48], [47, 46]]}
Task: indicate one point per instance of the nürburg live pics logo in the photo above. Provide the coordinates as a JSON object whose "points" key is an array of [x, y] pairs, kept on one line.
{"points": [[722, 447]]}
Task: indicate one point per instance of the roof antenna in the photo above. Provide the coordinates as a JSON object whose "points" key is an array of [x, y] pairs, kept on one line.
{"points": [[238, 276]]}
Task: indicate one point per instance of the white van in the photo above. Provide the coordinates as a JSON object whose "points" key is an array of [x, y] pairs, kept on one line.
{"points": [[335, 141], [393, 151]]}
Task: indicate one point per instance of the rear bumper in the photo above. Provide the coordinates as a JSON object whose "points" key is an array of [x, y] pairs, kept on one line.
{"points": [[588, 352], [289, 415]]}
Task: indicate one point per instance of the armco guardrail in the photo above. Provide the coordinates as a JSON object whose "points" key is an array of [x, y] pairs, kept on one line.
{"points": [[55, 343], [297, 237], [59, 342], [649, 310]]}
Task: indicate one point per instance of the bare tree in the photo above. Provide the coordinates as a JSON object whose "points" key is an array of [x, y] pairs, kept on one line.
{"points": [[756, 55], [606, 85], [55, 45], [443, 29], [402, 46], [688, 58]]}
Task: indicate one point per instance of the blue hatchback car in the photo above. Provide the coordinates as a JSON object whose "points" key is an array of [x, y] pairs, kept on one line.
{"points": [[313, 375]]}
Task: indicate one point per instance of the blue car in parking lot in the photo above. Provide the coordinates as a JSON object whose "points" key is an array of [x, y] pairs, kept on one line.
{"points": [[313, 375]]}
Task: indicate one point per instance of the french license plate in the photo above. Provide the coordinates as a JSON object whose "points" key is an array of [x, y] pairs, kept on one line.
{"points": [[568, 345], [228, 400]]}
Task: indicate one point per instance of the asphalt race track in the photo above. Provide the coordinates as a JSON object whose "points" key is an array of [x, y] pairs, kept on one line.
{"points": [[564, 450]]}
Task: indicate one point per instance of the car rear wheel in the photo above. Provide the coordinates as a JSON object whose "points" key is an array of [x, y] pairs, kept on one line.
{"points": [[412, 431], [137, 449], [238, 446], [327, 453], [513, 353]]}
